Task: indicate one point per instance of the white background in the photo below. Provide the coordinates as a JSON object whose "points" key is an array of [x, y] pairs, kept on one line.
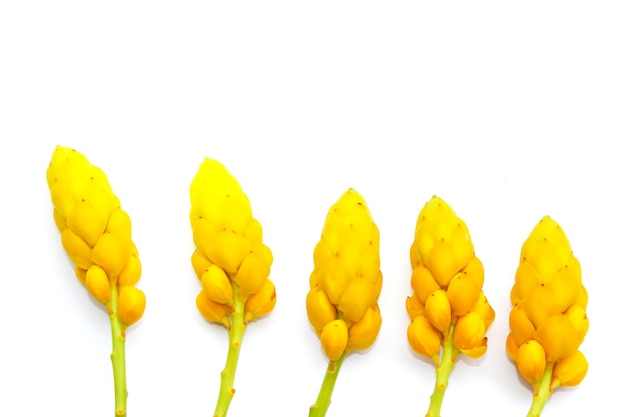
{"points": [[507, 111]]}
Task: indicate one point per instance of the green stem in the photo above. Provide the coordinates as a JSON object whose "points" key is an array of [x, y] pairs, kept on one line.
{"points": [[541, 393], [444, 368], [323, 399], [235, 336], [118, 355]]}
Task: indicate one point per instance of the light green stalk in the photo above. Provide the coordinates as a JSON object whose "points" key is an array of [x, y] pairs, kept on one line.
{"points": [[444, 368], [541, 393], [235, 337], [118, 357], [323, 399]]}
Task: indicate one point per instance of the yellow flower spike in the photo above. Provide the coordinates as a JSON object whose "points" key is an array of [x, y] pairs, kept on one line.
{"points": [[570, 371], [97, 284], [96, 234], [448, 309], [549, 310], [228, 238], [334, 339], [438, 311], [424, 338], [216, 285], [261, 302], [362, 334], [342, 303]]}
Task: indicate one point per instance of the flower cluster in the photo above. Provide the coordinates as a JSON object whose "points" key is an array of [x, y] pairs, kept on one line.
{"points": [[342, 303], [548, 320], [96, 233], [230, 259], [447, 301]]}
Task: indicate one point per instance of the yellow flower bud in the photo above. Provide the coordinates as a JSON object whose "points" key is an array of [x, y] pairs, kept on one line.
{"points": [[477, 351], [111, 252], [571, 370], [334, 339], [81, 274], [444, 261], [558, 336], [235, 213], [87, 221], [531, 361], [98, 284], [522, 328], [423, 283], [261, 302], [216, 285], [200, 263], [77, 249], [526, 279], [437, 310], [363, 333], [578, 316], [475, 271], [132, 271], [484, 310], [469, 331], [540, 304], [131, 304], [442, 240], [511, 347], [414, 307], [547, 248], [254, 233], [423, 337], [319, 309], [227, 250], [356, 299], [211, 184], [462, 293], [212, 311], [119, 224], [252, 274]]}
